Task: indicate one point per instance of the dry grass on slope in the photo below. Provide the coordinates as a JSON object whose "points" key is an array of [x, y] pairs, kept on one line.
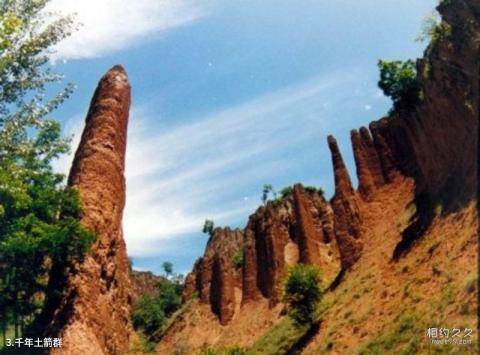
{"points": [[385, 307]]}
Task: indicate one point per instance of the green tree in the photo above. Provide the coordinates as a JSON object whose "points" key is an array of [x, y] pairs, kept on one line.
{"points": [[267, 190], [208, 227], [151, 312], [302, 292], [148, 314], [168, 268], [27, 33], [398, 80], [170, 297], [39, 217]]}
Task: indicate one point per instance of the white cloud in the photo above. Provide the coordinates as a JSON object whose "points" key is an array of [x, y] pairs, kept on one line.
{"points": [[368, 107], [180, 174], [110, 25]]}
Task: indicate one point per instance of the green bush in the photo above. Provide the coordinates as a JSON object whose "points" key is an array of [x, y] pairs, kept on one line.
{"points": [[267, 190], [286, 191], [314, 189], [143, 345], [237, 258], [398, 80], [167, 266], [208, 227], [151, 312], [148, 314], [277, 202], [302, 293], [170, 296], [434, 29]]}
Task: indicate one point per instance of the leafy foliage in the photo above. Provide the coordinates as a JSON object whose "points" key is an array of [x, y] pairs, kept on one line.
{"points": [[151, 312], [286, 191], [170, 296], [208, 227], [237, 258], [39, 218], [143, 345], [315, 189], [398, 80], [302, 292], [434, 29], [148, 314], [267, 190], [26, 34], [167, 267]]}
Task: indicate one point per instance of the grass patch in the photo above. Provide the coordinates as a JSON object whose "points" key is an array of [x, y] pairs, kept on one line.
{"points": [[9, 334], [143, 345], [404, 337], [171, 320], [325, 346], [284, 335], [232, 350], [471, 282], [279, 339]]}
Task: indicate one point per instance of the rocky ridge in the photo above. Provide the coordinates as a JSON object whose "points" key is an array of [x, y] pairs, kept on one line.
{"points": [[435, 145], [93, 316]]}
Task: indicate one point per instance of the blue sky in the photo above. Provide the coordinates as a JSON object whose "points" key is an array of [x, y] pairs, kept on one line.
{"points": [[228, 96]]}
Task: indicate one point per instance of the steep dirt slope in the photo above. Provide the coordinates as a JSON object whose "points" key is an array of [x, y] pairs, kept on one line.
{"points": [[385, 306], [399, 252]]}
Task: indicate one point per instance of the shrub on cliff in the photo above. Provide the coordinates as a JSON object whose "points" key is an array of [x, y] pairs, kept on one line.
{"points": [[237, 259], [150, 313], [286, 191], [302, 293], [315, 189], [208, 227], [434, 29], [266, 191], [398, 80]]}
